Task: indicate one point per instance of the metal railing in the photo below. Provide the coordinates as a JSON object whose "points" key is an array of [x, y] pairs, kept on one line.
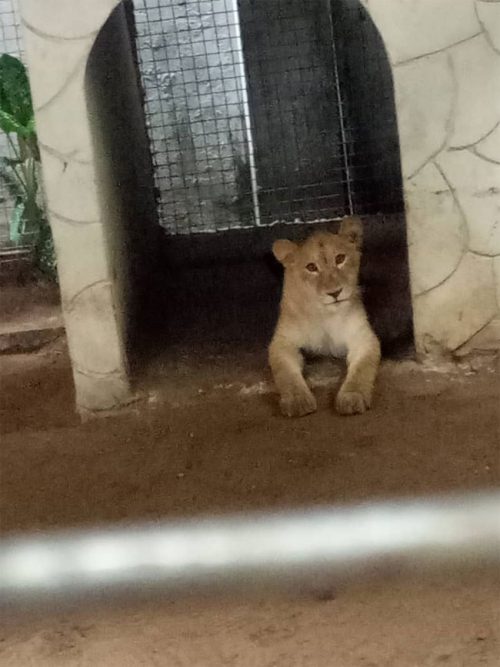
{"points": [[282, 551]]}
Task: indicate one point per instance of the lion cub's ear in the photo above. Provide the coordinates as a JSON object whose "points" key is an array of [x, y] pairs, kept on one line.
{"points": [[352, 228], [283, 250]]}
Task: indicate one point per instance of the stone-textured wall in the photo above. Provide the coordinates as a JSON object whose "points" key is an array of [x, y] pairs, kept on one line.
{"points": [[58, 38], [446, 66]]}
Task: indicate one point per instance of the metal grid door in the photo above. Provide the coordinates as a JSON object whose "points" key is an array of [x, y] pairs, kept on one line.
{"points": [[264, 111], [192, 69]]}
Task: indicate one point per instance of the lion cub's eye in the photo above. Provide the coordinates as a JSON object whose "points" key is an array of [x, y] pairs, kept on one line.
{"points": [[312, 267], [339, 259]]}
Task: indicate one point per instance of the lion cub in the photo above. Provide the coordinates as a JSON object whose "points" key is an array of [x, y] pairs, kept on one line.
{"points": [[321, 311]]}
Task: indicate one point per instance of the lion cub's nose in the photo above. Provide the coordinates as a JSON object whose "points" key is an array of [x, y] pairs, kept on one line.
{"points": [[336, 294]]}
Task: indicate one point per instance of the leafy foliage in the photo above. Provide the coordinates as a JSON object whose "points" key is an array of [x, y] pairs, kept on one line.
{"points": [[21, 173], [16, 108]]}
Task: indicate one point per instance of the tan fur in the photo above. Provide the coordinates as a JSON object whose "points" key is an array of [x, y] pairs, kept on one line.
{"points": [[313, 320]]}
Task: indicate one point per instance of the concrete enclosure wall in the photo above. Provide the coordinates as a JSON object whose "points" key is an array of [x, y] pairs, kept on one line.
{"points": [[445, 61], [89, 119]]}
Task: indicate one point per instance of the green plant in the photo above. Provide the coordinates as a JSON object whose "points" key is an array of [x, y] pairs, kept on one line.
{"points": [[21, 170]]}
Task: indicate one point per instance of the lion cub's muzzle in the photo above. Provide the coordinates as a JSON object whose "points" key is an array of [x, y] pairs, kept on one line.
{"points": [[336, 296]]}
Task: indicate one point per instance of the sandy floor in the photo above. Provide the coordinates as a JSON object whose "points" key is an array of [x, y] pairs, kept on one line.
{"points": [[208, 440]]}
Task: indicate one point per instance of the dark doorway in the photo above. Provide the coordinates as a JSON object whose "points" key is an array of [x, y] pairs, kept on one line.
{"points": [[261, 112]]}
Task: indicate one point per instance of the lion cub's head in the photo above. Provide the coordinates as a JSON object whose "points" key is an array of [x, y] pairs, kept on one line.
{"points": [[325, 267]]}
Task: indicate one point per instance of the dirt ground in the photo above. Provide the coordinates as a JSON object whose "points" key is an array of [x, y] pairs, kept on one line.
{"points": [[206, 437]]}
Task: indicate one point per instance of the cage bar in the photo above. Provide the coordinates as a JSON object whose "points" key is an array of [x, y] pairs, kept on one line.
{"points": [[244, 553]]}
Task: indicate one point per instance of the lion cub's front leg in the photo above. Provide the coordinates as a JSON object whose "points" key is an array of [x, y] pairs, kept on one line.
{"points": [[286, 363], [363, 359]]}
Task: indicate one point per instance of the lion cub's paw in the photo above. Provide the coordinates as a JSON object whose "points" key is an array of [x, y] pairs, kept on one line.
{"points": [[297, 403], [351, 403]]}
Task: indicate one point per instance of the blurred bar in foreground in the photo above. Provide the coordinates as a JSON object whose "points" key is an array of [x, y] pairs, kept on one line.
{"points": [[280, 551]]}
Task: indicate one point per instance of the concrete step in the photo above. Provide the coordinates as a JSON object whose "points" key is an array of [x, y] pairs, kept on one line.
{"points": [[30, 316]]}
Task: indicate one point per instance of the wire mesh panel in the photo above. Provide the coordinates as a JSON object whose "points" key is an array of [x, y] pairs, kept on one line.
{"points": [[297, 128], [191, 64], [9, 43], [267, 110]]}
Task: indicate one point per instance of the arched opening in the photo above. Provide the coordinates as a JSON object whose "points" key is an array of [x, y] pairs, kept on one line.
{"points": [[246, 122], [265, 118]]}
